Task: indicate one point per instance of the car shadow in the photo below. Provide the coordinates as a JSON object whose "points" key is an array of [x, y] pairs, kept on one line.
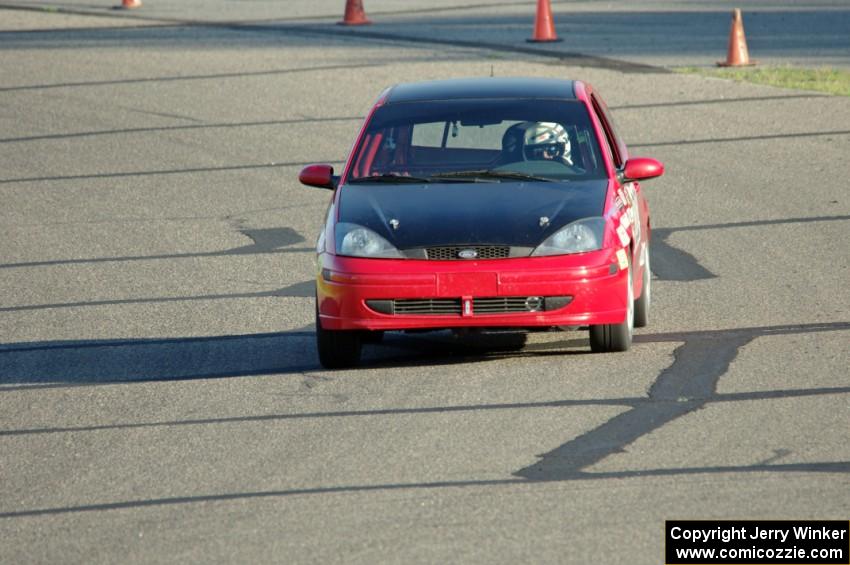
{"points": [[62, 363], [72, 363]]}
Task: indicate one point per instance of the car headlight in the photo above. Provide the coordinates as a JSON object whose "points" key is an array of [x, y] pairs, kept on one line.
{"points": [[577, 237], [357, 241]]}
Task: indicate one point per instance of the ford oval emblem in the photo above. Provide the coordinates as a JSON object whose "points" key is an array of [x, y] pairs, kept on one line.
{"points": [[467, 254]]}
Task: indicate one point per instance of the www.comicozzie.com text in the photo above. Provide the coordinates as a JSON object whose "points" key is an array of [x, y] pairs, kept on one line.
{"points": [[727, 534]]}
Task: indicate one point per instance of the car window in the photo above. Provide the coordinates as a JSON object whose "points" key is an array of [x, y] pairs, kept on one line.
{"points": [[548, 138], [429, 134], [616, 146], [487, 136], [455, 134]]}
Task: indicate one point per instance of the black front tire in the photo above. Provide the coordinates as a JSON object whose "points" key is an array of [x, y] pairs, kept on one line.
{"points": [[605, 338], [643, 303], [338, 349], [372, 336]]}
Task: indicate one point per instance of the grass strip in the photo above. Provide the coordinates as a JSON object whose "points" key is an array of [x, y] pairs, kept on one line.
{"points": [[823, 79]]}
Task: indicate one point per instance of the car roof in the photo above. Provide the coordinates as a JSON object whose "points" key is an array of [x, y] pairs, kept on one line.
{"points": [[485, 87]]}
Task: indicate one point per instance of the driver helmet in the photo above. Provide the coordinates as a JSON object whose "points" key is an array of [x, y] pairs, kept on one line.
{"points": [[546, 141]]}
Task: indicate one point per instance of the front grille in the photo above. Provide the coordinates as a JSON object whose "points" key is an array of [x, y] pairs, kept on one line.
{"points": [[426, 306], [500, 305], [450, 253], [480, 306]]}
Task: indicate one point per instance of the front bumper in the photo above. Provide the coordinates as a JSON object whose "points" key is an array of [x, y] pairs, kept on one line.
{"points": [[596, 288]]}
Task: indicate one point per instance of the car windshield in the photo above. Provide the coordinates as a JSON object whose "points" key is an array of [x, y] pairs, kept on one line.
{"points": [[490, 140]]}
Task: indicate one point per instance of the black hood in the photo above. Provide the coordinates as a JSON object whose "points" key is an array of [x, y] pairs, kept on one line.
{"points": [[499, 213]]}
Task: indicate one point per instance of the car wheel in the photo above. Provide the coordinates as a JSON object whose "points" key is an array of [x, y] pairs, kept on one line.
{"points": [[605, 338], [338, 349], [373, 336], [642, 304]]}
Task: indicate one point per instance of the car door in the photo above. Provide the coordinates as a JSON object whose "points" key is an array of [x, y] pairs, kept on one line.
{"points": [[629, 193]]}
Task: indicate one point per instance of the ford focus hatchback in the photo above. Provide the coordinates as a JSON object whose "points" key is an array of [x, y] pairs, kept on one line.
{"points": [[483, 203]]}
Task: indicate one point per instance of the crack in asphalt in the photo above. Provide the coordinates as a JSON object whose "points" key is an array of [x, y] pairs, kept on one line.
{"points": [[213, 76], [191, 170], [546, 404], [183, 127], [304, 289]]}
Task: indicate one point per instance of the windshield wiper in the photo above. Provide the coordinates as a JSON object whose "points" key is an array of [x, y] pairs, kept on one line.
{"points": [[391, 178], [492, 174]]}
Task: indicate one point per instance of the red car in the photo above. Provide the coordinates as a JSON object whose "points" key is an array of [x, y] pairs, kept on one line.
{"points": [[483, 203]]}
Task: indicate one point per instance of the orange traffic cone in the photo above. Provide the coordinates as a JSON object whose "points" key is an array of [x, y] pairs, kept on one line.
{"points": [[544, 27], [354, 14], [127, 4], [738, 56]]}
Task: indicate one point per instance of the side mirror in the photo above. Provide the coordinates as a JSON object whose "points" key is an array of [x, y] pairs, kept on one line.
{"points": [[642, 168], [321, 176]]}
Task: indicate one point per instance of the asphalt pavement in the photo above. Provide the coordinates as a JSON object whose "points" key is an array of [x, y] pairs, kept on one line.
{"points": [[160, 395]]}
